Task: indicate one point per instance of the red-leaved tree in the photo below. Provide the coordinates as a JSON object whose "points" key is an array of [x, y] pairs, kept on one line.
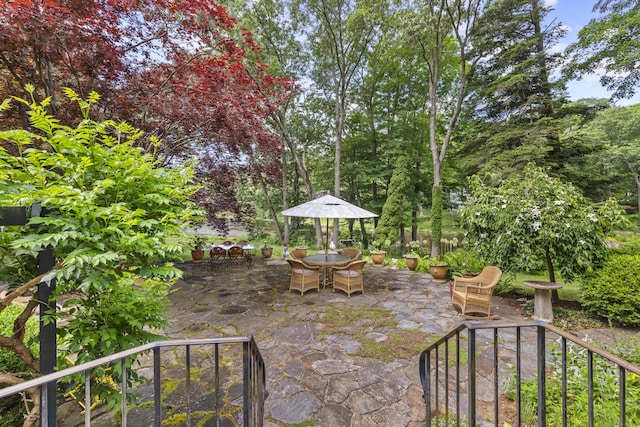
{"points": [[178, 69]]}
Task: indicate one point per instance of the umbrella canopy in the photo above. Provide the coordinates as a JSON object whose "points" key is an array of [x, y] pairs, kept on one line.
{"points": [[328, 207]]}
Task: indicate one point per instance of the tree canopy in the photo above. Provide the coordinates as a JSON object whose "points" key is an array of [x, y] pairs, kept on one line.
{"points": [[179, 70], [533, 221], [609, 45]]}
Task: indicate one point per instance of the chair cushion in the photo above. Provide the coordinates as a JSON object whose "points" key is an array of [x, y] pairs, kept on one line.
{"points": [[304, 271], [347, 273]]}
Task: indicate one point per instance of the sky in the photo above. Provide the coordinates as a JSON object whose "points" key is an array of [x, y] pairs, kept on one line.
{"points": [[575, 14]]}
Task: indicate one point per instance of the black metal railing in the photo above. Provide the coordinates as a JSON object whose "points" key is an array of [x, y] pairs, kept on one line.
{"points": [[497, 372], [215, 403]]}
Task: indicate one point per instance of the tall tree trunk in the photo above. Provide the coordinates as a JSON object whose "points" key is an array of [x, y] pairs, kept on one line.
{"points": [[272, 211], [555, 297], [280, 120], [285, 196], [340, 114]]}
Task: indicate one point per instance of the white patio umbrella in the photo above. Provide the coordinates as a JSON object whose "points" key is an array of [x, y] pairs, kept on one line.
{"points": [[328, 207]]}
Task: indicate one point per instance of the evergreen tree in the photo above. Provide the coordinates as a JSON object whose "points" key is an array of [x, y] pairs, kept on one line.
{"points": [[514, 100]]}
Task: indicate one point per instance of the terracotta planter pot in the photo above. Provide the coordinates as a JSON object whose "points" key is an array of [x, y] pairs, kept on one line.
{"points": [[412, 263], [267, 252], [439, 272], [197, 255], [378, 257]]}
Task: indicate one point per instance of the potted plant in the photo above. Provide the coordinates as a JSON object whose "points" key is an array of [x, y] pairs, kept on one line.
{"points": [[412, 258], [302, 248], [267, 251], [438, 268], [377, 254], [464, 262], [197, 253]]}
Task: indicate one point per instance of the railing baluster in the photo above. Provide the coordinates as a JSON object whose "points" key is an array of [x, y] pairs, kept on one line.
{"points": [[472, 377], [623, 396], [542, 389], [518, 376], [123, 369], [563, 355], [426, 385], [87, 397], [496, 391], [446, 381], [590, 387], [458, 378], [187, 359], [216, 382], [437, 363], [157, 416], [245, 385]]}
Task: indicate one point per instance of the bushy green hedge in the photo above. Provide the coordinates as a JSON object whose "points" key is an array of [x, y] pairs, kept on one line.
{"points": [[613, 291]]}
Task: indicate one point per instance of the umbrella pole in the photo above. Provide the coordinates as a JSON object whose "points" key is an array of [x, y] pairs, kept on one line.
{"points": [[326, 244]]}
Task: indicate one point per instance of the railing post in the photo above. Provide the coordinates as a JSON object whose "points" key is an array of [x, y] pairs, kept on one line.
{"points": [[623, 392], [542, 387], [157, 389], [472, 377], [245, 387]]}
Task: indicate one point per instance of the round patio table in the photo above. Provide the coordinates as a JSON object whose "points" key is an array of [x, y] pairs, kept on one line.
{"points": [[326, 261], [542, 308]]}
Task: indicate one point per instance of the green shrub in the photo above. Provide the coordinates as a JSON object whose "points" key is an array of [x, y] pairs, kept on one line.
{"points": [[613, 291], [9, 362], [627, 244], [464, 261]]}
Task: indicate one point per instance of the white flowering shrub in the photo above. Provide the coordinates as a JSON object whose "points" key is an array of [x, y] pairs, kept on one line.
{"points": [[534, 220]]}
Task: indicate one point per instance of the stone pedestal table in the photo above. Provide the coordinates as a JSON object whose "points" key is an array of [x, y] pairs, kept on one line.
{"points": [[542, 310]]}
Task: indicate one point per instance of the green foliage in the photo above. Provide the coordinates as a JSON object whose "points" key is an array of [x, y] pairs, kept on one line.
{"points": [[533, 220], [105, 322], [111, 209], [464, 261], [606, 391], [626, 346], [395, 209], [9, 362], [613, 291]]}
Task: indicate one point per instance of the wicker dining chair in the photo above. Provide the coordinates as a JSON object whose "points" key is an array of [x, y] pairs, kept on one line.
{"points": [[348, 278], [236, 254], [217, 255], [303, 277], [352, 253]]}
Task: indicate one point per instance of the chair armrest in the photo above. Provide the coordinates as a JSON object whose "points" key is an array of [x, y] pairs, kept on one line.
{"points": [[468, 280], [341, 267], [310, 267]]}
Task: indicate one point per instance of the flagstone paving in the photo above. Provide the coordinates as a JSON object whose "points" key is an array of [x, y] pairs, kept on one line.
{"points": [[313, 377]]}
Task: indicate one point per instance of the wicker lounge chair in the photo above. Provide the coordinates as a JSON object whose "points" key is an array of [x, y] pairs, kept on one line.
{"points": [[303, 277], [473, 294], [349, 277]]}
